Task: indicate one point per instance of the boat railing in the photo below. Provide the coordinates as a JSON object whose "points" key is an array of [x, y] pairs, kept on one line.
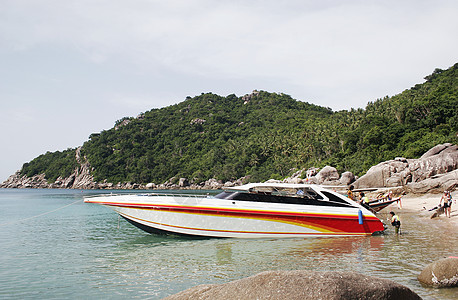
{"points": [[153, 195], [175, 195]]}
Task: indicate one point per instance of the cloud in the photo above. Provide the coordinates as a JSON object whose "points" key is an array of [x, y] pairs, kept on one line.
{"points": [[225, 36], [322, 50]]}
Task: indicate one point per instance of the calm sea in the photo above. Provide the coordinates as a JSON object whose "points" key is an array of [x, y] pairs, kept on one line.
{"points": [[53, 246]]}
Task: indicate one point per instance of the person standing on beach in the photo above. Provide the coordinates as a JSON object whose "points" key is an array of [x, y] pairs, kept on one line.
{"points": [[395, 222], [447, 199]]}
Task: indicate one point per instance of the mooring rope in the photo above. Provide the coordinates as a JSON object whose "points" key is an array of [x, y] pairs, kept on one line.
{"points": [[42, 214]]}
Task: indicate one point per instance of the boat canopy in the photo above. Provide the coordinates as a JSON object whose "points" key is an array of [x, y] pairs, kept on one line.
{"points": [[285, 192], [272, 187], [267, 184]]}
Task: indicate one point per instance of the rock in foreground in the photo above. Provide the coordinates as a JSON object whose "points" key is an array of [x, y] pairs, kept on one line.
{"points": [[441, 273], [301, 284]]}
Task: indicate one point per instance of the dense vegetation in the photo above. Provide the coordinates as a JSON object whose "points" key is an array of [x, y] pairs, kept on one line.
{"points": [[53, 164], [265, 136]]}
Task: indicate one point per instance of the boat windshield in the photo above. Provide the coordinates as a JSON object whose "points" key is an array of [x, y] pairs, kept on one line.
{"points": [[305, 197]]}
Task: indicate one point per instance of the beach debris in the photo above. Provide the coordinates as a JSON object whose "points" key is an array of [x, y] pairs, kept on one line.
{"points": [[439, 211]]}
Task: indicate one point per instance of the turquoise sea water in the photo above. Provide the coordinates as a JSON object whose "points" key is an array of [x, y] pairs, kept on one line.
{"points": [[54, 246]]}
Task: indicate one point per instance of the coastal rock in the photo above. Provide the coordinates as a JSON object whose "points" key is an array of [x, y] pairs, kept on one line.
{"points": [[441, 162], [81, 178], [311, 172], [328, 173], [426, 174], [273, 181], [183, 182], [436, 184], [301, 284], [347, 178], [242, 180], [378, 175], [212, 184], [295, 178], [435, 150], [68, 182], [311, 180], [441, 273], [24, 182], [150, 186], [82, 175]]}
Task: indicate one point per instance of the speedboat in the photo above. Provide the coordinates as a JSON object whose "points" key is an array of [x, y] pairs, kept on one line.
{"points": [[255, 210]]}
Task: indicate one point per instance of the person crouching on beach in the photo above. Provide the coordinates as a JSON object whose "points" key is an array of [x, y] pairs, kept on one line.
{"points": [[395, 222]]}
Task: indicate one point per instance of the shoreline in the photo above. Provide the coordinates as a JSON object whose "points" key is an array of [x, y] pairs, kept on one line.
{"points": [[420, 205]]}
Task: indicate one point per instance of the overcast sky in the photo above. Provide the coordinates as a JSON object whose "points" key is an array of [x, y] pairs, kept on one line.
{"points": [[72, 68]]}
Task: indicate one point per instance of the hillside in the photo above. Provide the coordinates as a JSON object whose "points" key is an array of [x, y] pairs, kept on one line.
{"points": [[264, 135]]}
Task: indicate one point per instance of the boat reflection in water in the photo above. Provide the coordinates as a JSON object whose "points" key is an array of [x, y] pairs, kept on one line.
{"points": [[338, 247], [255, 210]]}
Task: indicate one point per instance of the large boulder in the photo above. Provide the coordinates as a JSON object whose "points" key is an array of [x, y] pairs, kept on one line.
{"points": [[213, 184], [436, 184], [411, 173], [295, 178], [441, 273], [183, 182], [150, 186], [378, 175], [436, 150], [435, 162], [327, 174], [347, 178], [301, 284]]}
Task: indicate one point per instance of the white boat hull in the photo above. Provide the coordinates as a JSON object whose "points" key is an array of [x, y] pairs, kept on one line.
{"points": [[202, 216]]}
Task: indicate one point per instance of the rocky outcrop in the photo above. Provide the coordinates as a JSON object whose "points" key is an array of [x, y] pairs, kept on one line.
{"points": [[434, 171], [81, 178], [441, 273], [436, 184], [248, 97], [327, 176], [301, 284], [17, 181], [82, 175]]}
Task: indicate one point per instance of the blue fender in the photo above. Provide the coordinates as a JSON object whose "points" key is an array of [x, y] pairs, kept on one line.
{"points": [[360, 217]]}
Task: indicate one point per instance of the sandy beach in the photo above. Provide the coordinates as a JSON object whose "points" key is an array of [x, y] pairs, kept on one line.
{"points": [[421, 205]]}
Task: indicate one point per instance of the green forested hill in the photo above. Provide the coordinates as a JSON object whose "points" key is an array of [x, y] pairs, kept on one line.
{"points": [[265, 135]]}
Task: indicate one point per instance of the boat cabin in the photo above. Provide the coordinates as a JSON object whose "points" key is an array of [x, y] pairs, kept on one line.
{"points": [[285, 194]]}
